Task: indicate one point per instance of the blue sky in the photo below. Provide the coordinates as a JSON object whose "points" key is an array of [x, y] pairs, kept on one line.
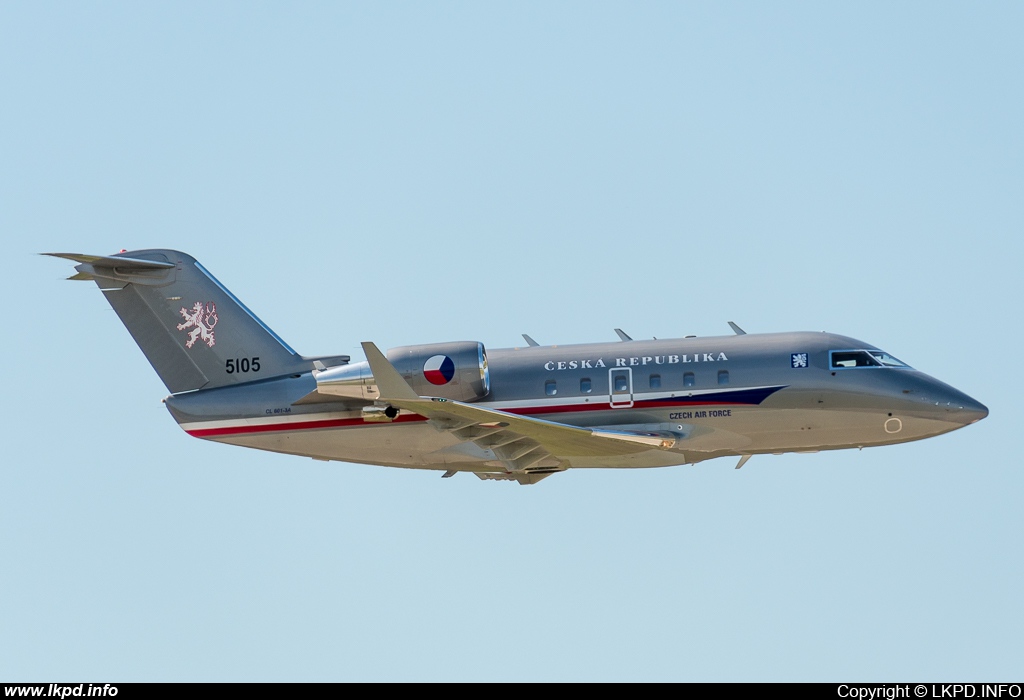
{"points": [[413, 172]]}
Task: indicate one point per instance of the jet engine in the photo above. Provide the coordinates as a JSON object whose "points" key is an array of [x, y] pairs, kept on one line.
{"points": [[456, 371]]}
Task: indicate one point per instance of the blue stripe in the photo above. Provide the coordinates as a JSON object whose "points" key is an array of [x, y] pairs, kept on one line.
{"points": [[750, 397]]}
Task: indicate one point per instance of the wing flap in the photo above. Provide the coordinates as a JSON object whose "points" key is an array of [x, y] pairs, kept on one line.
{"points": [[562, 439]]}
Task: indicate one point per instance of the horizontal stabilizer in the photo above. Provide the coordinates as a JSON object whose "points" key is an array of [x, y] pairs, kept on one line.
{"points": [[113, 261], [327, 360]]}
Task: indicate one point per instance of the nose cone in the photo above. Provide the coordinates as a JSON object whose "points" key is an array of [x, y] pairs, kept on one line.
{"points": [[972, 411], [929, 398], [960, 408]]}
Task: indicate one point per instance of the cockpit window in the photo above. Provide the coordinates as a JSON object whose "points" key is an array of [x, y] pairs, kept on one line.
{"points": [[854, 358], [848, 359], [887, 360]]}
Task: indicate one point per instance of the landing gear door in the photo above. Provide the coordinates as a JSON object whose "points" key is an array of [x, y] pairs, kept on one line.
{"points": [[620, 387]]}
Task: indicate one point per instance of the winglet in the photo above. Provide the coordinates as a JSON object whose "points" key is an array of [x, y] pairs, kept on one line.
{"points": [[736, 329], [389, 381], [622, 336], [530, 341], [743, 460]]}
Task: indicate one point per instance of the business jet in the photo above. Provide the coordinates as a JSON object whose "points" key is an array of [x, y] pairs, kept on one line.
{"points": [[512, 414]]}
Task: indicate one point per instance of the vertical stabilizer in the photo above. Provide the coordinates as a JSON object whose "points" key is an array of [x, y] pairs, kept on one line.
{"points": [[193, 331]]}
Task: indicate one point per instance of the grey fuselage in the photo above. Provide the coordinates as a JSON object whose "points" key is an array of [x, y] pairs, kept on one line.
{"points": [[718, 396]]}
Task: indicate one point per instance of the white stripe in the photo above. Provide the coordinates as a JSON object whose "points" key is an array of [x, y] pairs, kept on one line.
{"points": [[269, 420], [599, 399]]}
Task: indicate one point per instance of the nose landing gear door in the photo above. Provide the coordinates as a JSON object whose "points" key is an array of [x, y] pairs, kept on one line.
{"points": [[620, 387]]}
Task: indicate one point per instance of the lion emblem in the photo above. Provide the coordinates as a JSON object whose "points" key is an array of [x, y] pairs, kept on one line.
{"points": [[201, 319]]}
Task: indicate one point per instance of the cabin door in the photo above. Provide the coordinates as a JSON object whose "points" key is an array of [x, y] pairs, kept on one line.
{"points": [[620, 387]]}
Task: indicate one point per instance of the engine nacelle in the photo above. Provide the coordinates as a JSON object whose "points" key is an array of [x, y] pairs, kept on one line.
{"points": [[456, 371]]}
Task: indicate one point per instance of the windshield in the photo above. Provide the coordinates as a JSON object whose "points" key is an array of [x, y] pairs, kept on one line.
{"points": [[887, 360], [849, 359]]}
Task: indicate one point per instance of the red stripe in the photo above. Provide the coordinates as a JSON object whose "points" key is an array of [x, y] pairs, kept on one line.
{"points": [[299, 425], [408, 418]]}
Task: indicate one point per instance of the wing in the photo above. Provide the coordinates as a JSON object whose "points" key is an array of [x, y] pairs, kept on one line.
{"points": [[528, 448]]}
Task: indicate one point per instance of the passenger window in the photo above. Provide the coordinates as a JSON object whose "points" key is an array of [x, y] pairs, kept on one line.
{"points": [[620, 383], [723, 376], [688, 379], [585, 386], [549, 387], [655, 381]]}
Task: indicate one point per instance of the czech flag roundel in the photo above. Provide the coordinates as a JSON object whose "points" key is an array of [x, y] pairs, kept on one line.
{"points": [[439, 369]]}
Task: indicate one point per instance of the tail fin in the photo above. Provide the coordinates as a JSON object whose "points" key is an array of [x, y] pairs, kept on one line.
{"points": [[193, 331]]}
